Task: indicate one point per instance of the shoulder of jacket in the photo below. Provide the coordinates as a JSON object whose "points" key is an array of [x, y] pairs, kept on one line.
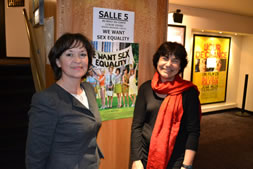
{"points": [[86, 84], [49, 93]]}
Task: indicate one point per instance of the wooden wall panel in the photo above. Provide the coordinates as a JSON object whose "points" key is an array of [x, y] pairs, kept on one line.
{"points": [[49, 75], [150, 24], [114, 140], [150, 30], [50, 11]]}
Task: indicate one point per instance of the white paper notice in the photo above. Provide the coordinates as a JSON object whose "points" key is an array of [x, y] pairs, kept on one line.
{"points": [[113, 25]]}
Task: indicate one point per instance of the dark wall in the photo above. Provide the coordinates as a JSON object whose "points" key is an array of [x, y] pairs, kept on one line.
{"points": [[2, 31], [16, 90]]}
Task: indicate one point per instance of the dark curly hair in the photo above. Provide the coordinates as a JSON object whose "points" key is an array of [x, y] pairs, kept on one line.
{"points": [[168, 49]]}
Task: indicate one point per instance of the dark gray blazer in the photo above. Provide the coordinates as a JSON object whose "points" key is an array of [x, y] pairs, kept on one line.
{"points": [[62, 131]]}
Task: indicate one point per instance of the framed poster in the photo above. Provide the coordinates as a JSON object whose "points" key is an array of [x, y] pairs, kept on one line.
{"points": [[16, 3], [176, 33], [210, 67]]}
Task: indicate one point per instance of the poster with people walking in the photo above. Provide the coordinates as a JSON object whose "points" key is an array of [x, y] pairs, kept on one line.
{"points": [[114, 76], [210, 67]]}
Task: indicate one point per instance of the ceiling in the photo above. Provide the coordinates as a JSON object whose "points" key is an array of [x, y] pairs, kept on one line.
{"points": [[239, 7]]}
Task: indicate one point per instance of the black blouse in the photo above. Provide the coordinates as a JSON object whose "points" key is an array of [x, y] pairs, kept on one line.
{"points": [[145, 113]]}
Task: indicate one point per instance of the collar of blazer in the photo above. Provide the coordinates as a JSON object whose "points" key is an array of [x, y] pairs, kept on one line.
{"points": [[92, 112]]}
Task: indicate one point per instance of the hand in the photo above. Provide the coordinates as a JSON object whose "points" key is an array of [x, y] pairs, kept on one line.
{"points": [[137, 165]]}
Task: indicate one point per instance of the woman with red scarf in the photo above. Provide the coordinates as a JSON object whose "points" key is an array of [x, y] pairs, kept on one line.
{"points": [[166, 122]]}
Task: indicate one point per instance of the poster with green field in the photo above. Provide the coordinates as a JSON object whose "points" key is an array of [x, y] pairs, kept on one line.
{"points": [[114, 76]]}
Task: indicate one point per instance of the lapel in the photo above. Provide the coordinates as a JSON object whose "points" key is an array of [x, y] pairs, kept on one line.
{"points": [[92, 101], [78, 105]]}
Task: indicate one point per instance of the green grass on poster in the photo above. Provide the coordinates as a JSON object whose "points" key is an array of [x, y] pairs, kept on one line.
{"points": [[114, 112]]}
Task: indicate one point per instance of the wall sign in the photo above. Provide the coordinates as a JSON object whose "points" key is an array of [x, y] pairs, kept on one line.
{"points": [[113, 25]]}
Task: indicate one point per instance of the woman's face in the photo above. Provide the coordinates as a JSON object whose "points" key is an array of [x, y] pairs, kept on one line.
{"points": [[111, 69], [90, 72], [202, 65], [73, 63], [168, 67], [218, 65], [131, 72], [125, 71]]}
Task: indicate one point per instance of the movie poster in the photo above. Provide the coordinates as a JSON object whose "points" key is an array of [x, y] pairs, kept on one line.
{"points": [[210, 67], [114, 76]]}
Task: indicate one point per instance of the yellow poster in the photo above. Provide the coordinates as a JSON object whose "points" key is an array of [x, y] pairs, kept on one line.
{"points": [[210, 66]]}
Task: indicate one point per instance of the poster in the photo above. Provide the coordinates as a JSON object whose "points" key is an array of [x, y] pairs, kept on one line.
{"points": [[114, 76], [111, 25], [210, 67]]}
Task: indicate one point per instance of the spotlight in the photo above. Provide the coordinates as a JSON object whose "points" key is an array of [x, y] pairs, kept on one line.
{"points": [[177, 16]]}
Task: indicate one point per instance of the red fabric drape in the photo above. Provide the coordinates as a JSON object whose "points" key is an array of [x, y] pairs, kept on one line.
{"points": [[168, 120]]}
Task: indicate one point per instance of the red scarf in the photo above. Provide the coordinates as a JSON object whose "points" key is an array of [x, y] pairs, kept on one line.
{"points": [[168, 120]]}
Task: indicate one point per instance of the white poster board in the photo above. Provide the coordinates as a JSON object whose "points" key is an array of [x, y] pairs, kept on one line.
{"points": [[113, 25]]}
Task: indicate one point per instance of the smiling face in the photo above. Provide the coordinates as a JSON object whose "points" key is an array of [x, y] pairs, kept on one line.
{"points": [[73, 63], [168, 67], [125, 71]]}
